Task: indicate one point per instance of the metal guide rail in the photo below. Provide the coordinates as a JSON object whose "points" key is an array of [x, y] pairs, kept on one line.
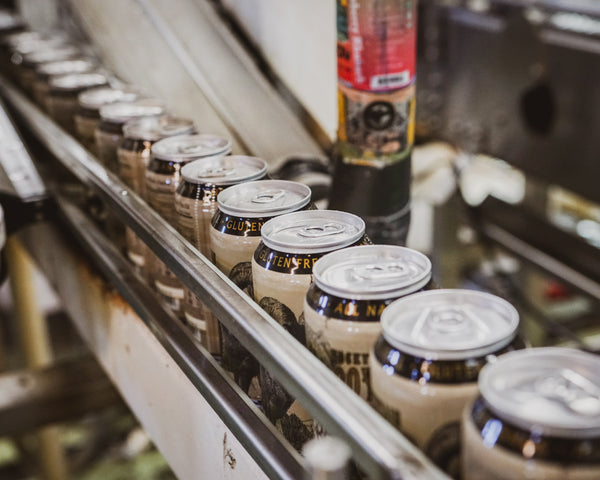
{"points": [[377, 447]]}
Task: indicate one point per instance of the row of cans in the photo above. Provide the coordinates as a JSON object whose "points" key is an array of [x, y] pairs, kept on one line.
{"points": [[448, 369], [433, 362]]}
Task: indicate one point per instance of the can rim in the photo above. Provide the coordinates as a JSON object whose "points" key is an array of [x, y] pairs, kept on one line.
{"points": [[134, 128], [505, 409], [71, 82], [78, 65], [386, 252], [270, 228], [186, 156], [50, 54], [492, 345], [84, 97], [260, 164], [286, 185], [114, 112]]}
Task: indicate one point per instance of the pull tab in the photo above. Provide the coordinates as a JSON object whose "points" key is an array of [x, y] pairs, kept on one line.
{"points": [[216, 172], [448, 320], [191, 149], [170, 127], [390, 271], [318, 231], [200, 148], [268, 196], [574, 391]]}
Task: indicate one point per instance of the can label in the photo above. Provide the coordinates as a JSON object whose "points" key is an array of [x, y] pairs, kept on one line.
{"points": [[165, 282], [242, 227], [193, 220], [132, 168], [85, 128], [288, 416], [160, 191], [136, 248], [63, 110], [375, 127], [195, 206], [343, 308], [343, 349], [407, 404], [282, 262], [204, 323], [347, 355], [376, 43], [106, 147], [496, 450]]}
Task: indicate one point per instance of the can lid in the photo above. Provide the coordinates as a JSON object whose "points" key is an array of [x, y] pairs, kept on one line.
{"points": [[312, 231], [77, 81], [95, 98], [449, 324], [122, 111], [228, 170], [550, 391], [264, 198], [372, 272], [64, 67], [156, 128], [50, 53], [185, 148]]}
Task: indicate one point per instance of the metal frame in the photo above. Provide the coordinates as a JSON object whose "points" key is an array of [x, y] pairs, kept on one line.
{"points": [[377, 447], [240, 415]]}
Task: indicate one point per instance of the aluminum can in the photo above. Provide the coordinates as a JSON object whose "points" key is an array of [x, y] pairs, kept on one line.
{"points": [[281, 276], [351, 288], [424, 366], [195, 205], [537, 417], [243, 210], [134, 154], [47, 71], [15, 46], [113, 116], [234, 236], [90, 101], [30, 61], [163, 176], [62, 103]]}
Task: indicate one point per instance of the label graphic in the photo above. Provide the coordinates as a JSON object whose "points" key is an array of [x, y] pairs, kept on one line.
{"points": [[376, 41]]}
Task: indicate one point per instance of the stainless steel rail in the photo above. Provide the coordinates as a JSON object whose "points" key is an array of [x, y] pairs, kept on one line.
{"points": [[377, 447], [260, 438]]}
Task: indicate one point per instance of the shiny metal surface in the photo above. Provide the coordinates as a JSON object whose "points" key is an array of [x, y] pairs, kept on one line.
{"points": [[240, 415], [377, 447]]}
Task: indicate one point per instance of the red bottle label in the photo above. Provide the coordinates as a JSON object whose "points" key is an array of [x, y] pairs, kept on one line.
{"points": [[376, 42]]}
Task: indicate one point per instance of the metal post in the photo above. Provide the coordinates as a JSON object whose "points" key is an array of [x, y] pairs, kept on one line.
{"points": [[36, 347]]}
